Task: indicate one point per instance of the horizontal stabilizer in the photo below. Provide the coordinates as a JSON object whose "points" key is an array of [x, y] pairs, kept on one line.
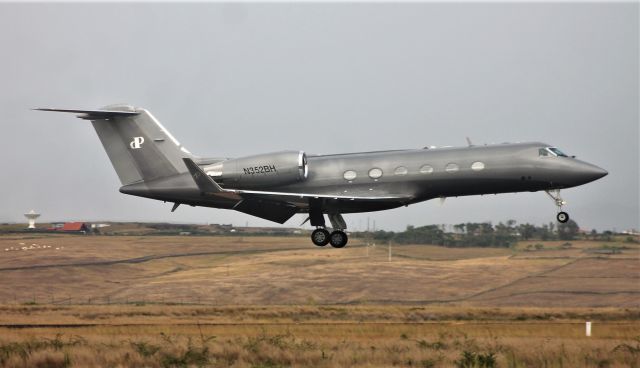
{"points": [[94, 114], [203, 181]]}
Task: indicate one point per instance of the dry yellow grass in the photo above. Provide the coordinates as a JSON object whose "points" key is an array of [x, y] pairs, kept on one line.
{"points": [[288, 270], [325, 337], [159, 314], [279, 302]]}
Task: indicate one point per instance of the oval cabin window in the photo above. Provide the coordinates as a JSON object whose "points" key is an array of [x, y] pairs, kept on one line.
{"points": [[401, 170], [349, 175], [477, 166], [426, 169], [375, 173], [451, 168]]}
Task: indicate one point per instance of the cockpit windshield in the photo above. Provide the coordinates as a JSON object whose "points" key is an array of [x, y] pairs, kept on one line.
{"points": [[557, 152], [551, 151]]}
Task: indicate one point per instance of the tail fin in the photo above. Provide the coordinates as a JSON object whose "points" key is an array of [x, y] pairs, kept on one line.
{"points": [[139, 147]]}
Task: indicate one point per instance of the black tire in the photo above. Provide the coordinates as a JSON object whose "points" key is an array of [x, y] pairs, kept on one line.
{"points": [[320, 237], [562, 217], [338, 239]]}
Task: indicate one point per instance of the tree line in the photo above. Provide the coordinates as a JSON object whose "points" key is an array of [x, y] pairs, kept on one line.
{"points": [[485, 234]]}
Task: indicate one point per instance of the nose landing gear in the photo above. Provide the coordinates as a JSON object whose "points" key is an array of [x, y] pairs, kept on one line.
{"points": [[562, 216]]}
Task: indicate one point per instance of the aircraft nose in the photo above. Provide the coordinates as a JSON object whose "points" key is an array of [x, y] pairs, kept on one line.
{"points": [[586, 172], [599, 172]]}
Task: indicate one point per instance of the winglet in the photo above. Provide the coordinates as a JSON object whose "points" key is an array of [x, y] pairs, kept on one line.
{"points": [[203, 181]]}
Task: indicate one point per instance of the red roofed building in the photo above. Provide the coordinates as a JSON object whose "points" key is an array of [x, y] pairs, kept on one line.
{"points": [[77, 227]]}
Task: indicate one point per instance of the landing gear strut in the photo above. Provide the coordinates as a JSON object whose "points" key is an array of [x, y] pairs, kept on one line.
{"points": [[562, 216], [319, 236]]}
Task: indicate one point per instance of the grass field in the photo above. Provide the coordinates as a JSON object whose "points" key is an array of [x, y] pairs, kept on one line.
{"points": [[316, 336], [277, 302], [70, 269]]}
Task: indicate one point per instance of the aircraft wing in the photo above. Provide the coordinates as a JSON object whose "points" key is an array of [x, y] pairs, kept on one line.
{"points": [[276, 206], [294, 196], [208, 186]]}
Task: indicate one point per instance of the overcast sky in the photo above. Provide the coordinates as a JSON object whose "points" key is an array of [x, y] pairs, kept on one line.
{"points": [[240, 79]]}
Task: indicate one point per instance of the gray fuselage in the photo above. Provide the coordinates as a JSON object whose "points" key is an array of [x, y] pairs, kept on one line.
{"points": [[425, 174], [414, 175]]}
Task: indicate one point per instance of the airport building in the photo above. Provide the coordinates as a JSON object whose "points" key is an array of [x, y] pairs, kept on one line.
{"points": [[71, 227]]}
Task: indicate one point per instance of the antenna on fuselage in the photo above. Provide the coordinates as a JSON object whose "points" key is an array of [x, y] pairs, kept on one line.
{"points": [[469, 142]]}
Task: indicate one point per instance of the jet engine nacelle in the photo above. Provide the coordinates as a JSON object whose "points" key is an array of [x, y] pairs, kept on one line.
{"points": [[265, 170]]}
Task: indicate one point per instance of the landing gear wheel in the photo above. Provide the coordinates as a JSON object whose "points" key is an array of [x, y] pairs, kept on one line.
{"points": [[562, 217], [338, 239], [320, 237]]}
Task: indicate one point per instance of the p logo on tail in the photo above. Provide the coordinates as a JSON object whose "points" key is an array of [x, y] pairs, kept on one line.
{"points": [[136, 142]]}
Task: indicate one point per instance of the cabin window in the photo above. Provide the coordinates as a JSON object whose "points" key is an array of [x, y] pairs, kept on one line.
{"points": [[426, 169], [349, 175], [542, 152], [401, 170], [375, 173], [477, 166], [452, 168]]}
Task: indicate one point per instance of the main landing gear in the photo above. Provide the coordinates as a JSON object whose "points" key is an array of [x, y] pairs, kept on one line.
{"points": [[321, 237], [562, 216]]}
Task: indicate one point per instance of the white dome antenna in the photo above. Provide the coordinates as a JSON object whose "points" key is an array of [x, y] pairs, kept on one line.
{"points": [[32, 216]]}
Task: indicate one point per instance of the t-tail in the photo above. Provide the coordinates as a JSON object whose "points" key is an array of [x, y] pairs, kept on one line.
{"points": [[139, 147]]}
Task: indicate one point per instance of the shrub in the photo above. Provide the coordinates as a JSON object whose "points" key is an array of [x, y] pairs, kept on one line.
{"points": [[471, 359]]}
